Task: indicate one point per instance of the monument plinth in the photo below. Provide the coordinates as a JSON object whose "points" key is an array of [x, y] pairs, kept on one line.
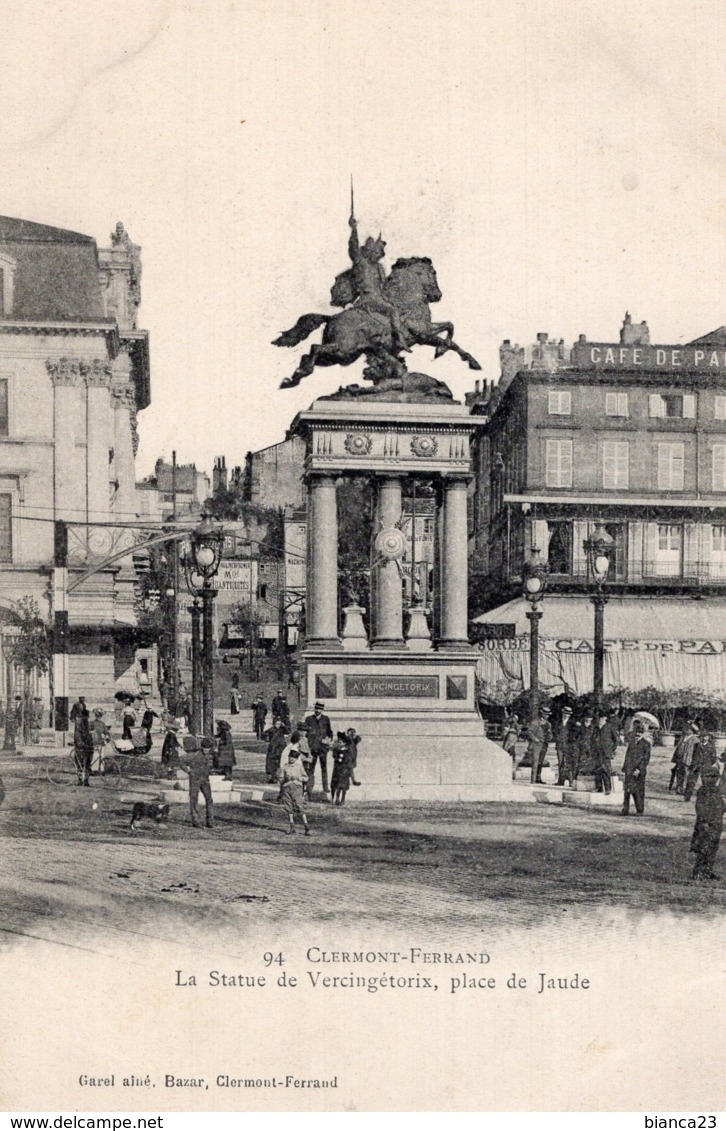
{"points": [[408, 690]]}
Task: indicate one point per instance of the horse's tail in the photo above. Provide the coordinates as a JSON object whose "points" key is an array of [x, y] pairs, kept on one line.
{"points": [[302, 328]]}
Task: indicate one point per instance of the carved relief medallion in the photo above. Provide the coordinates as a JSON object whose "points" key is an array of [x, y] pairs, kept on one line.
{"points": [[424, 446], [358, 443]]}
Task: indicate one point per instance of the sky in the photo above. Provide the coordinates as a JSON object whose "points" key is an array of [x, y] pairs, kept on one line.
{"points": [[560, 163]]}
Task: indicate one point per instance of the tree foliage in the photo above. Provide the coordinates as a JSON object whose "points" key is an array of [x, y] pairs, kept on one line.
{"points": [[30, 650]]}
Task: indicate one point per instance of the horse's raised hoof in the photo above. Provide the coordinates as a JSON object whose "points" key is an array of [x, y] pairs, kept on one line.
{"points": [[289, 383], [474, 364]]}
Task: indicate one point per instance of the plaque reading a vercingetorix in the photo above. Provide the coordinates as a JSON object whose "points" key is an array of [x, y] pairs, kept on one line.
{"points": [[393, 687]]}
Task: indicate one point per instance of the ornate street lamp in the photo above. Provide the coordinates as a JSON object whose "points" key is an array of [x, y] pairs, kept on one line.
{"points": [[207, 541], [599, 549], [534, 577]]}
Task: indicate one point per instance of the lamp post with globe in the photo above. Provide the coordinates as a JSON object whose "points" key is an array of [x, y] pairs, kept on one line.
{"points": [[534, 577], [195, 585], [599, 549], [206, 541]]}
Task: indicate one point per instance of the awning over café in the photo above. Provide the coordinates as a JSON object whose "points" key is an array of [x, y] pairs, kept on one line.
{"points": [[666, 642]]}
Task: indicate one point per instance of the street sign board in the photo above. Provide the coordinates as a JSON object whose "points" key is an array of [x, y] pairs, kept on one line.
{"points": [[235, 576], [493, 631]]}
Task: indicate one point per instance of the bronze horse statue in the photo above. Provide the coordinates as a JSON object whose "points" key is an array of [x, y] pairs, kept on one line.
{"points": [[358, 332]]}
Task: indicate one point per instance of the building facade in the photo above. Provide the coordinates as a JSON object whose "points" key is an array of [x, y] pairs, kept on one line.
{"points": [[630, 434], [74, 373]]}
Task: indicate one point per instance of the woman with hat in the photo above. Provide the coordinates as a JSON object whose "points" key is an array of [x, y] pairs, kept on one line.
{"points": [[225, 749], [170, 749]]}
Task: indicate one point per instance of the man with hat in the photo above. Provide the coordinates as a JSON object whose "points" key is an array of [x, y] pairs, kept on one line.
{"points": [[637, 757], [197, 763], [683, 756], [564, 745], [320, 737], [709, 824], [539, 736], [259, 714], [604, 744]]}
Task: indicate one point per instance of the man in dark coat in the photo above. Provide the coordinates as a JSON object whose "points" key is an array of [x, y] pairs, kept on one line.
{"points": [[539, 736], [320, 738], [198, 765], [564, 745], [709, 824], [703, 755], [83, 747], [637, 757], [259, 714], [604, 744], [683, 756], [276, 742]]}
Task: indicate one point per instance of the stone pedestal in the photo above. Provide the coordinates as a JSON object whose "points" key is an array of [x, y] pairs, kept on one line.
{"points": [[413, 700]]}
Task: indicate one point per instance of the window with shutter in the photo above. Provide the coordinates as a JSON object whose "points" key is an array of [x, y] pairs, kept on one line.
{"points": [[616, 404], [559, 402], [670, 467], [4, 419], [615, 464], [656, 405], [689, 406], [719, 408], [6, 528], [718, 468], [558, 470]]}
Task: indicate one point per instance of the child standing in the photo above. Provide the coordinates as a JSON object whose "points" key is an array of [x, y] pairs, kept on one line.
{"points": [[292, 779]]}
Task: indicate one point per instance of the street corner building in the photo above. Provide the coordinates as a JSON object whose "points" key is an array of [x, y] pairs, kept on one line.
{"points": [[629, 437], [74, 372]]}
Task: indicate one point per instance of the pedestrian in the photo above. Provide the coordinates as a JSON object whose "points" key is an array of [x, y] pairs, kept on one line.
{"points": [[277, 704], [283, 711], [147, 722], [292, 779], [709, 824], [259, 714], [101, 734], [509, 739], [564, 747], [276, 742], [128, 719], [584, 744], [604, 745], [234, 701], [703, 755], [170, 749], [83, 747], [36, 719], [320, 737], [539, 736], [198, 765], [225, 750], [345, 757], [637, 757], [683, 756], [184, 706], [78, 708]]}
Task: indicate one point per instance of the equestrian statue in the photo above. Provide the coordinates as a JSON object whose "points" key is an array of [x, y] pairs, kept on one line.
{"points": [[383, 316]]}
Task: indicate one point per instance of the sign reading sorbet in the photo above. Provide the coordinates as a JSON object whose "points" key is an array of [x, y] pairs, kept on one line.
{"points": [[397, 686]]}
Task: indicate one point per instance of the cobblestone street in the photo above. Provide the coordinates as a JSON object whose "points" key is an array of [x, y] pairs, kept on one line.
{"points": [[73, 868]]}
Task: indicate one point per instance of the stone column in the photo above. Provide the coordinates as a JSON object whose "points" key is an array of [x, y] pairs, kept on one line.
{"points": [[98, 441], [454, 565], [322, 582], [388, 608], [438, 541], [68, 475]]}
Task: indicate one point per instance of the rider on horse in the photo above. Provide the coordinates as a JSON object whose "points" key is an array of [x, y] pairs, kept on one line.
{"points": [[369, 278]]}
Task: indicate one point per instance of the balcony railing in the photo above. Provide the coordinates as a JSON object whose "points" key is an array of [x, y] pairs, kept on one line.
{"points": [[653, 571]]}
